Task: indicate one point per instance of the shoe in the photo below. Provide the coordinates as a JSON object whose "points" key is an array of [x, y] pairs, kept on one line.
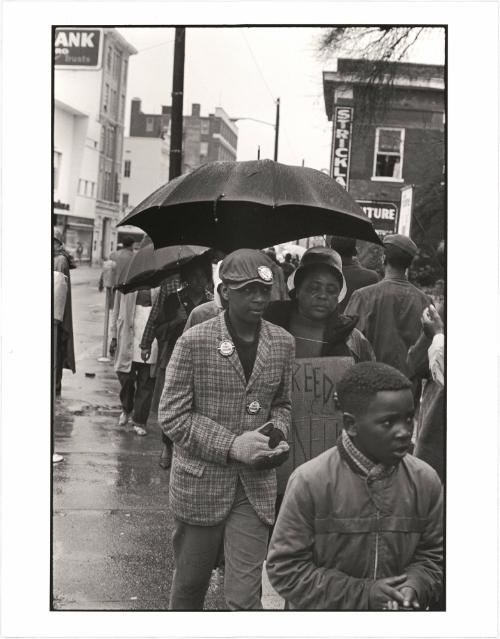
{"points": [[123, 419], [140, 430], [57, 458], [166, 457]]}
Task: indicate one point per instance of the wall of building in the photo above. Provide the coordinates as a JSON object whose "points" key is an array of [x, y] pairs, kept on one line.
{"points": [[149, 166], [64, 123]]}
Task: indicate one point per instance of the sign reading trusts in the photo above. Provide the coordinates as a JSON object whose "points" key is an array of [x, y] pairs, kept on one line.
{"points": [[78, 48], [341, 147], [316, 419], [384, 215]]}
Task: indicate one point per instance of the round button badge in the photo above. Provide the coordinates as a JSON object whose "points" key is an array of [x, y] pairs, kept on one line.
{"points": [[265, 273], [253, 408], [226, 349]]}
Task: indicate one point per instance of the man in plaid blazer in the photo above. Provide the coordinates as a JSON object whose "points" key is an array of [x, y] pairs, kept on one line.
{"points": [[227, 377]]}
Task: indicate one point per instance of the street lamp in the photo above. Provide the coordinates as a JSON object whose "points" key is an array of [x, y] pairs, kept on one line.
{"points": [[275, 126]]}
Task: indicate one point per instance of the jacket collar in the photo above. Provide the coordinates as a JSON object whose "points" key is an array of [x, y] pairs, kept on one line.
{"points": [[262, 356], [358, 462], [338, 326]]}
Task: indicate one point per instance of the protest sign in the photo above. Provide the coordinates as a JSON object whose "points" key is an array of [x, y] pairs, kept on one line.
{"points": [[316, 418]]}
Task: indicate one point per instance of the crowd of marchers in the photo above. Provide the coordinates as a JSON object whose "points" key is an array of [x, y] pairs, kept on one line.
{"points": [[209, 355]]}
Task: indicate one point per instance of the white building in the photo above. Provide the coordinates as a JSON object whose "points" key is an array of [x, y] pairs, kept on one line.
{"points": [[146, 164], [90, 82]]}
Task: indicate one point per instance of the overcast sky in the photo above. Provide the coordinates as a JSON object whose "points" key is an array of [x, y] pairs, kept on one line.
{"points": [[244, 70]]}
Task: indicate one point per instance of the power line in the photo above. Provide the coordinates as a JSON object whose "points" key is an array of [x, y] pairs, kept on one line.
{"points": [[154, 46], [257, 65]]}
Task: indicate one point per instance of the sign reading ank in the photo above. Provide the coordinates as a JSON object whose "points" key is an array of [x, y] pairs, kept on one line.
{"points": [[316, 418], [77, 47]]}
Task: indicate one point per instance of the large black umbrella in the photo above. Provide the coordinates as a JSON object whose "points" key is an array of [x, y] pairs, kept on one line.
{"points": [[228, 205], [149, 267]]}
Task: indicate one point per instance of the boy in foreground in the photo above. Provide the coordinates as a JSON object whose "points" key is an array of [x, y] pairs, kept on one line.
{"points": [[361, 525]]}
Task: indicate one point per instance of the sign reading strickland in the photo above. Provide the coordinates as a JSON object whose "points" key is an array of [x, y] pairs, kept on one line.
{"points": [[384, 215], [78, 48], [341, 147]]}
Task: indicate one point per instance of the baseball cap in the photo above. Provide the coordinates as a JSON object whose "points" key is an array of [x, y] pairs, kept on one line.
{"points": [[402, 242], [320, 255], [244, 266]]}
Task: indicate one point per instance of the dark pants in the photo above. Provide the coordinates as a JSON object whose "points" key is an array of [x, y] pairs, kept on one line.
{"points": [[196, 553], [159, 384], [137, 391], [58, 356]]}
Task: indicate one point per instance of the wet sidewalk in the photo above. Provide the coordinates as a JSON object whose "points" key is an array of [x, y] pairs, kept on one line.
{"points": [[111, 521]]}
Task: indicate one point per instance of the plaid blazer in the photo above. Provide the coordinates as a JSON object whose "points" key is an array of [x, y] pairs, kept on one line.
{"points": [[204, 407]]}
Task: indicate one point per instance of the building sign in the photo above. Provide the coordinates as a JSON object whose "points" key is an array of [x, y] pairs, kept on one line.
{"points": [[61, 205], [341, 145], [78, 48], [404, 225], [316, 419], [384, 215]]}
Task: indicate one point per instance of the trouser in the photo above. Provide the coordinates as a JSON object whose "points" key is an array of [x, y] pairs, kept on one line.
{"points": [[196, 550], [137, 391], [159, 384], [58, 357]]}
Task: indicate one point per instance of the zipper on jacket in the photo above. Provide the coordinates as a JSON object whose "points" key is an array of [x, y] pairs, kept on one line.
{"points": [[376, 552]]}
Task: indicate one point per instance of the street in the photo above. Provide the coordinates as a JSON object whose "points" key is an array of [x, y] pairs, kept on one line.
{"points": [[111, 520]]}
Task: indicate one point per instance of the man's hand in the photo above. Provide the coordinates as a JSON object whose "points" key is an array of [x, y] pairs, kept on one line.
{"points": [[145, 354], [249, 446], [112, 347], [432, 323], [384, 591]]}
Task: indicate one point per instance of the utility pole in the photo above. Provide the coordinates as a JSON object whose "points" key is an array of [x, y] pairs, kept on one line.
{"points": [[175, 168], [276, 130], [258, 152]]}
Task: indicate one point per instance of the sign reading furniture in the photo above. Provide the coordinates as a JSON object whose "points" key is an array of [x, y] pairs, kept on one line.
{"points": [[384, 215], [75, 47]]}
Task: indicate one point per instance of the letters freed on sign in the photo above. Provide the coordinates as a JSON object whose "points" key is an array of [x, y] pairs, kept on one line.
{"points": [[316, 419], [77, 47], [341, 145]]}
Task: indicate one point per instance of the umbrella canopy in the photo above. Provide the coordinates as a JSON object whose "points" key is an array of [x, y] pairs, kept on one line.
{"points": [[229, 205], [149, 267]]}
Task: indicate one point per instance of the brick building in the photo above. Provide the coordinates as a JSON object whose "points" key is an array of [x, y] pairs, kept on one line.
{"points": [[389, 137], [205, 138]]}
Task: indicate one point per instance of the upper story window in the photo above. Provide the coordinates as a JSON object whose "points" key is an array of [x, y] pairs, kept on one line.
{"points": [[205, 127], [126, 168], [105, 102], [389, 148], [149, 125]]}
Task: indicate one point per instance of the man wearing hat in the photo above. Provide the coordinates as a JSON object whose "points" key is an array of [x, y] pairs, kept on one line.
{"points": [[389, 312], [227, 378]]}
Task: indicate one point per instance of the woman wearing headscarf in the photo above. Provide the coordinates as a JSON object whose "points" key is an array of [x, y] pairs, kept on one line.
{"points": [[312, 315], [316, 287]]}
